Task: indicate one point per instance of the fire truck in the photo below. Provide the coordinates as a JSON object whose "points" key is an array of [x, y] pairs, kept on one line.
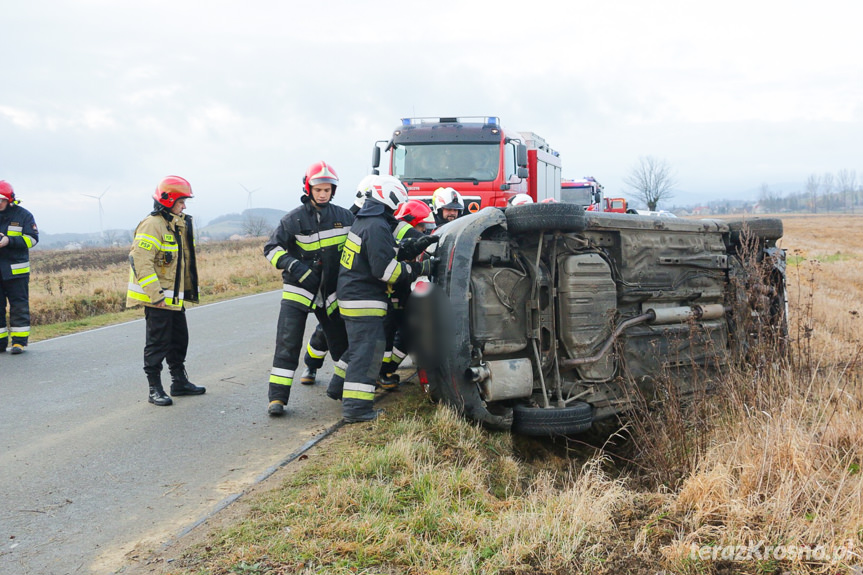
{"points": [[475, 155], [585, 192], [588, 192], [617, 205]]}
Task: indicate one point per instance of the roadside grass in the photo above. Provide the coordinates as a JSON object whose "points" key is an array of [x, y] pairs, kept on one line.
{"points": [[424, 491]]}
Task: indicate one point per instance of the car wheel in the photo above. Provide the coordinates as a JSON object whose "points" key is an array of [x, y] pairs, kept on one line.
{"points": [[538, 421], [761, 228], [537, 217]]}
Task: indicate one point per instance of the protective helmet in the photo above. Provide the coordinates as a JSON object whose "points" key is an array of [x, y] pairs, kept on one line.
{"points": [[320, 173], [389, 191], [6, 191], [363, 190], [172, 189], [446, 199], [520, 200], [415, 212], [548, 201]]}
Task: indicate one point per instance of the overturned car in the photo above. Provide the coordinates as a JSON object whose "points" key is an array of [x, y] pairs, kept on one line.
{"points": [[543, 318]]}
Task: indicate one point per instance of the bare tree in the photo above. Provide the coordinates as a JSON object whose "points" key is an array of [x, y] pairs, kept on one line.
{"points": [[827, 190], [651, 181], [846, 180], [813, 184], [255, 226], [770, 200]]}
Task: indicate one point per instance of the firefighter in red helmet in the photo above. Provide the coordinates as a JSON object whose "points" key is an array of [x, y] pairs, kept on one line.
{"points": [[163, 278], [18, 233], [306, 246]]}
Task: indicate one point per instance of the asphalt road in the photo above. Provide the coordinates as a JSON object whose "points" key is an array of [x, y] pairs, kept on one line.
{"points": [[89, 469]]}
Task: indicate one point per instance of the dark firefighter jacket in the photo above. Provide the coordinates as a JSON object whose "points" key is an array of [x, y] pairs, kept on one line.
{"points": [[369, 264], [163, 262], [315, 238], [20, 227]]}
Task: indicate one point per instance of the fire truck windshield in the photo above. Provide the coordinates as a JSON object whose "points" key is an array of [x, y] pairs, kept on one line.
{"points": [[446, 162]]}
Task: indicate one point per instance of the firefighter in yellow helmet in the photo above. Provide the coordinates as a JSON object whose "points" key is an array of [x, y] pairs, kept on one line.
{"points": [[162, 279]]}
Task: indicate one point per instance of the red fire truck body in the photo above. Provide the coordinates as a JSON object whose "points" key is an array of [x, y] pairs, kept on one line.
{"points": [[476, 156]]}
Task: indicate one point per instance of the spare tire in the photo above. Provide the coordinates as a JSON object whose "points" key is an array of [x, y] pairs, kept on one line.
{"points": [[761, 228], [545, 217], [539, 421]]}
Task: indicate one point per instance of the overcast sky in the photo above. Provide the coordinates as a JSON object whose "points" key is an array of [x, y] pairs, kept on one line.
{"points": [[109, 95]]}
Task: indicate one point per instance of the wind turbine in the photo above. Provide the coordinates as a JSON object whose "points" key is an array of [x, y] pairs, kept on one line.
{"points": [[249, 195], [101, 211]]}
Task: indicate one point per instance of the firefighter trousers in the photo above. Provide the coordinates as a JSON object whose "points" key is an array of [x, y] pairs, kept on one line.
{"points": [[289, 344], [167, 339], [366, 343], [17, 292], [316, 350], [398, 340]]}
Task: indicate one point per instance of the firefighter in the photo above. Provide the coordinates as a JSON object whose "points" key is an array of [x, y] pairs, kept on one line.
{"points": [[447, 205], [164, 276], [316, 350], [406, 236], [306, 247], [520, 200], [18, 233], [369, 268], [417, 214]]}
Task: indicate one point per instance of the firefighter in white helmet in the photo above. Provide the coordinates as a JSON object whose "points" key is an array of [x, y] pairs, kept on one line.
{"points": [[369, 268], [520, 200], [447, 205]]}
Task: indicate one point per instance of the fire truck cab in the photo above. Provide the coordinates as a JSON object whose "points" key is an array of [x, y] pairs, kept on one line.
{"points": [[585, 192], [476, 156]]}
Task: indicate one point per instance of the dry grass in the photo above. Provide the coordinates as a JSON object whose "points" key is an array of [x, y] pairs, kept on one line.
{"points": [[783, 467]]}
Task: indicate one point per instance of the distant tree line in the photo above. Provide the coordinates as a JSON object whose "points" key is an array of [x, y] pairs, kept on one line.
{"points": [[826, 192]]}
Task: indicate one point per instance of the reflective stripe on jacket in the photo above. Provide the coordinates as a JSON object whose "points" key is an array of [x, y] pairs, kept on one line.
{"points": [[162, 262], [369, 265], [315, 238], [18, 225]]}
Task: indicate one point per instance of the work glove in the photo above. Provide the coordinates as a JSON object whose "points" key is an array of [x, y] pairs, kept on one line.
{"points": [[428, 265], [427, 240], [411, 248], [309, 279]]}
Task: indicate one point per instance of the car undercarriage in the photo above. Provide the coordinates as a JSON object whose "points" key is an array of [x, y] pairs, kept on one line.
{"points": [[542, 318]]}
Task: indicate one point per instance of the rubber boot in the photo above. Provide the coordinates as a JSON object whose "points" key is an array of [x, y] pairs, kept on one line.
{"points": [[370, 416], [180, 385], [157, 394], [389, 382], [309, 375]]}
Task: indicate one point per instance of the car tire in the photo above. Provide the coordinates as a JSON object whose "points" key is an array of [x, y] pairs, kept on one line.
{"points": [[761, 228], [538, 217], [538, 421]]}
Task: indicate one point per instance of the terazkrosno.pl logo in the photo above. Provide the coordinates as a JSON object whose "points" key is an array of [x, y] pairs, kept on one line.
{"points": [[761, 551]]}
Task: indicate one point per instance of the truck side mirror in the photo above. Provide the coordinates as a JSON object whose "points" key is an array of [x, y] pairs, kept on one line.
{"points": [[521, 158], [522, 173], [376, 158]]}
